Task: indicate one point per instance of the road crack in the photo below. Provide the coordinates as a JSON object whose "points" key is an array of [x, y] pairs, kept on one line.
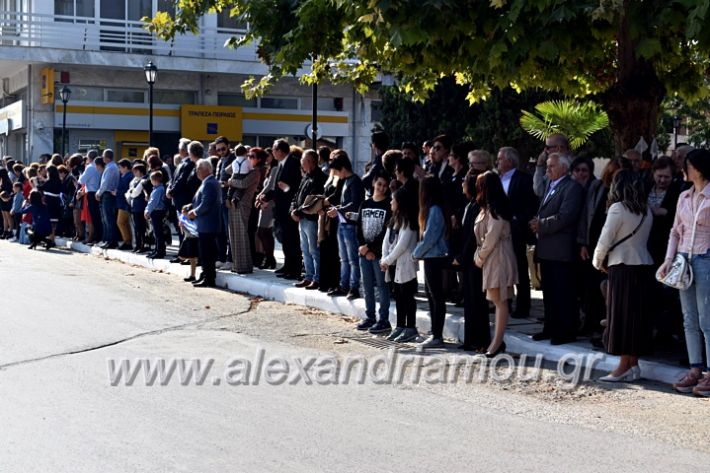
{"points": [[127, 339]]}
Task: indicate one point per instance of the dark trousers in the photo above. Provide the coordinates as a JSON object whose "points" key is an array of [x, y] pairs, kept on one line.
{"points": [[559, 299], [330, 261], [156, 220], [406, 305], [207, 243], [477, 330], [223, 247], [522, 289], [138, 223], [266, 238], [109, 212], [291, 244], [433, 270], [16, 221], [95, 212]]}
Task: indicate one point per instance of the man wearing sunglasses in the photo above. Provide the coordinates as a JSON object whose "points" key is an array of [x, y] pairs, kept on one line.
{"points": [[224, 172]]}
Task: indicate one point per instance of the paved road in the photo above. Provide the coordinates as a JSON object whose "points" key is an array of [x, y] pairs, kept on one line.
{"points": [[65, 315]]}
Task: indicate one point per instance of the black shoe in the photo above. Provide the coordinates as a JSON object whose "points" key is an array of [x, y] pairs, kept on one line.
{"points": [[292, 276], [303, 283], [159, 256], [269, 263], [203, 284], [312, 286], [365, 324], [189, 279], [176, 260], [199, 279], [110, 246], [541, 336], [338, 291], [353, 294], [281, 270], [103, 245], [124, 247], [381, 327], [143, 250], [562, 340], [184, 262], [501, 349]]}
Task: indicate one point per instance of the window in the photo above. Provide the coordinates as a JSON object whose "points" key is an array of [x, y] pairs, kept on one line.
{"points": [[167, 6], [328, 104], [249, 140], [81, 94], [174, 96], [226, 22], [235, 100], [125, 96], [83, 8], [282, 103]]}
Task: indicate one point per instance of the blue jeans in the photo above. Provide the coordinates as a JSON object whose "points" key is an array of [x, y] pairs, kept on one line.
{"points": [[373, 276], [349, 264], [696, 311], [309, 247], [109, 212]]}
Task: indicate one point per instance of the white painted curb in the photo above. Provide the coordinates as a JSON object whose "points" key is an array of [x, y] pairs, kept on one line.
{"points": [[262, 284]]}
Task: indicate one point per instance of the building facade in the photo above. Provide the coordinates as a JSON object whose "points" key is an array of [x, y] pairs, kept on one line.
{"points": [[98, 48]]}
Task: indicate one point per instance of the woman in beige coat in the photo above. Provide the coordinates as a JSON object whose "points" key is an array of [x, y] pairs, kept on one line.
{"points": [[495, 252]]}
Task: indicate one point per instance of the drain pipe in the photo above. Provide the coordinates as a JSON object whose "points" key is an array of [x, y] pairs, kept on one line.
{"points": [[354, 125]]}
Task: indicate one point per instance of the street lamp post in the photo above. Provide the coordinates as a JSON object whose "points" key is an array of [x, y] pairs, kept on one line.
{"points": [[151, 72], [676, 126], [64, 94]]}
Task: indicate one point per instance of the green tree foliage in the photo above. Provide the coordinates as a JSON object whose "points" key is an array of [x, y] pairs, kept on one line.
{"points": [[627, 54], [576, 120]]}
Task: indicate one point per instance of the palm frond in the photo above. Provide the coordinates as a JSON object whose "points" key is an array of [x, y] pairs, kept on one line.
{"points": [[578, 121]]}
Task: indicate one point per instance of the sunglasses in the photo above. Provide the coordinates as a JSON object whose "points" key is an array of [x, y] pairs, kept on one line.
{"points": [[221, 150]]}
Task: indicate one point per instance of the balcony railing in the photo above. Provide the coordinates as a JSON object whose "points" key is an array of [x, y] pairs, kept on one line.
{"points": [[100, 34]]}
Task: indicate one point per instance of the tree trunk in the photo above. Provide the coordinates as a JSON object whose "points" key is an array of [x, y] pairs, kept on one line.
{"points": [[633, 103], [633, 108]]}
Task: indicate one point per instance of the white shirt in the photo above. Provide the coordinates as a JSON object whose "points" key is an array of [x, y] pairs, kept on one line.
{"points": [[241, 165], [505, 179]]}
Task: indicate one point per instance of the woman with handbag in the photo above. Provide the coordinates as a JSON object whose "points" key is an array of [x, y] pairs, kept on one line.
{"points": [[687, 267], [630, 267]]}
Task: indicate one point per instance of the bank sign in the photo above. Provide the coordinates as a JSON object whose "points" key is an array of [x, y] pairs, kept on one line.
{"points": [[207, 122]]}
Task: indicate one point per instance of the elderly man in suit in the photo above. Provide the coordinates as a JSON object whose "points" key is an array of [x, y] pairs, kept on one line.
{"points": [[206, 209], [288, 179], [519, 187], [556, 229]]}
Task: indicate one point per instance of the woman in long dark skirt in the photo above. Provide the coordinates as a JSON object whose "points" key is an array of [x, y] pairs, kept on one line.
{"points": [[630, 267]]}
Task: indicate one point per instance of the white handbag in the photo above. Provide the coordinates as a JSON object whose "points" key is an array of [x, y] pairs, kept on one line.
{"points": [[680, 274]]}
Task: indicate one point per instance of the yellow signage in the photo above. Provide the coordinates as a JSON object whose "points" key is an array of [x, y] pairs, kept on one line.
{"points": [[47, 95], [207, 122]]}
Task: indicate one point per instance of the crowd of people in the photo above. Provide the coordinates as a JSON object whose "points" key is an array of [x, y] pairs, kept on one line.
{"points": [[469, 219]]}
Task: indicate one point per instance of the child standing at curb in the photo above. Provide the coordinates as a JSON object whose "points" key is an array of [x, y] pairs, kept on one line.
{"points": [[371, 227], [16, 210], [189, 248], [155, 211], [398, 264]]}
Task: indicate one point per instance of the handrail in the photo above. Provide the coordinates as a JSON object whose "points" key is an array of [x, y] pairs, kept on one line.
{"points": [[104, 34]]}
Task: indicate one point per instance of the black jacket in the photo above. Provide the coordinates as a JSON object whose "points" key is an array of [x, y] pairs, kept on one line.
{"points": [[180, 187], [311, 184], [524, 204], [289, 172]]}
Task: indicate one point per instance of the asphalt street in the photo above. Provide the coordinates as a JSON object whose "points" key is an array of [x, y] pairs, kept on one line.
{"points": [[66, 315]]}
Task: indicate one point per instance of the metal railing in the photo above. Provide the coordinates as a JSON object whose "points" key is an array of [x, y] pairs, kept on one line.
{"points": [[101, 34]]}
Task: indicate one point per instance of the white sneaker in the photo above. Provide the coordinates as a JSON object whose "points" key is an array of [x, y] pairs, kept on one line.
{"points": [[13, 239], [431, 342]]}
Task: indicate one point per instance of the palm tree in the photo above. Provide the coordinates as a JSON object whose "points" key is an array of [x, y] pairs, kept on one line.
{"points": [[576, 120]]}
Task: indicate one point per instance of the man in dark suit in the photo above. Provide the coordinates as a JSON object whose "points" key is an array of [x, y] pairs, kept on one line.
{"points": [[206, 207], [179, 189], [519, 187], [556, 229], [288, 179], [224, 172]]}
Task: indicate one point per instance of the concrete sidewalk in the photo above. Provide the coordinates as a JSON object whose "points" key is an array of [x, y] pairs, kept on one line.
{"points": [[265, 284]]}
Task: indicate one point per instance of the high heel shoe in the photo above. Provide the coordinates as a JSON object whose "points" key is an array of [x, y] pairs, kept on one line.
{"points": [[501, 349], [269, 263], [632, 374]]}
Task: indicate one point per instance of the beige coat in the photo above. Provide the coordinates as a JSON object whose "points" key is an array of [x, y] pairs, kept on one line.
{"points": [[495, 255]]}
